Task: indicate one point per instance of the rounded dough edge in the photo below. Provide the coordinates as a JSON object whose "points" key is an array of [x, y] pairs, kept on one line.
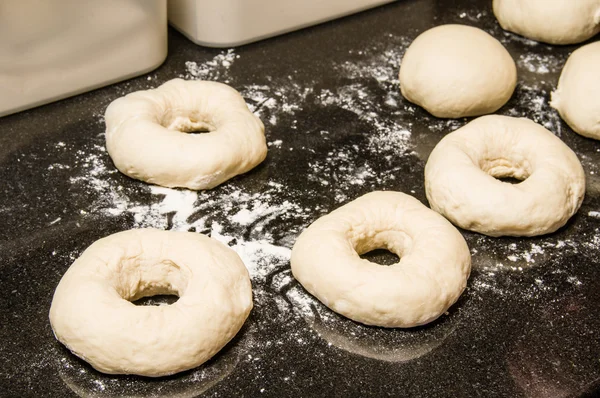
{"points": [[415, 291], [576, 97], [457, 186], [553, 22], [450, 79], [90, 316], [144, 135]]}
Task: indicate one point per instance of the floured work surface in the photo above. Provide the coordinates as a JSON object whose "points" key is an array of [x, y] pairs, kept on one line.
{"points": [[337, 128]]}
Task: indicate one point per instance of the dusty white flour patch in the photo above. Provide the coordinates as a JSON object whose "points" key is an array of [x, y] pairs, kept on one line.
{"points": [[390, 137], [503, 270], [303, 302], [471, 15], [184, 210], [446, 125], [540, 64], [533, 102], [527, 255], [171, 212], [284, 97], [247, 215], [214, 69], [260, 256], [486, 283], [380, 64], [375, 71], [506, 37], [385, 134], [259, 97], [524, 254], [108, 198], [592, 241], [272, 104]]}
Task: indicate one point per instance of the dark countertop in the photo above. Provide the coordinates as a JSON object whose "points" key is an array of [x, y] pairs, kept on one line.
{"points": [[528, 324]]}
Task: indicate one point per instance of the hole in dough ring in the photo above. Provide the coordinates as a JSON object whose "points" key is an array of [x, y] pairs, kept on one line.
{"points": [[461, 178], [434, 265], [146, 134], [92, 313]]}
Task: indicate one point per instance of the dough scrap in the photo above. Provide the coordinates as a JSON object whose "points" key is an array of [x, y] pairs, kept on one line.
{"points": [[146, 134], [550, 21], [461, 178], [456, 71], [92, 313], [577, 97], [434, 265]]}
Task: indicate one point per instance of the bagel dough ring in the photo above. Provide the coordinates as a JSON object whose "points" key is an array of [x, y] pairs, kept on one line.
{"points": [[434, 265], [146, 134], [462, 170], [92, 313], [456, 71], [577, 97], [550, 21]]}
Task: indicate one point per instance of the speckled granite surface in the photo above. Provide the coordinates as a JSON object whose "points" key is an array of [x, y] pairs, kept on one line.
{"points": [[528, 325]]}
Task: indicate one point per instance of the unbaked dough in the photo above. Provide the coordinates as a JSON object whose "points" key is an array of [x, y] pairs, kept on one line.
{"points": [[456, 71], [92, 313], [577, 97], [550, 21], [146, 134], [461, 178], [434, 265]]}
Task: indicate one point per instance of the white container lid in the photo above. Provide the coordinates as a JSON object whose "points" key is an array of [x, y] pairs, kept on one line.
{"points": [[228, 23], [52, 49]]}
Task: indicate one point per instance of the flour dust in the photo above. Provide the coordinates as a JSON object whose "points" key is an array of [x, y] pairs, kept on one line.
{"points": [[262, 222]]}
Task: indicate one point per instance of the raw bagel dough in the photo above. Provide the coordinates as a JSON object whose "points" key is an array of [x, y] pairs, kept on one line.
{"points": [[456, 71], [550, 21], [93, 316], [145, 134], [577, 97], [460, 183], [432, 272]]}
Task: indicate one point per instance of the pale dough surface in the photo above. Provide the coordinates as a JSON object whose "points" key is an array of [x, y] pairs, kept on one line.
{"points": [[550, 21], [146, 134], [577, 97], [456, 71], [461, 178], [434, 265], [93, 316]]}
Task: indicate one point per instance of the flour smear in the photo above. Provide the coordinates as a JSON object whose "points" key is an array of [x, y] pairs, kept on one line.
{"points": [[244, 220]]}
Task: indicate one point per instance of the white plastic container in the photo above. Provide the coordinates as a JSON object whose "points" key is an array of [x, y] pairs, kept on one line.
{"points": [[227, 23], [52, 49]]}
